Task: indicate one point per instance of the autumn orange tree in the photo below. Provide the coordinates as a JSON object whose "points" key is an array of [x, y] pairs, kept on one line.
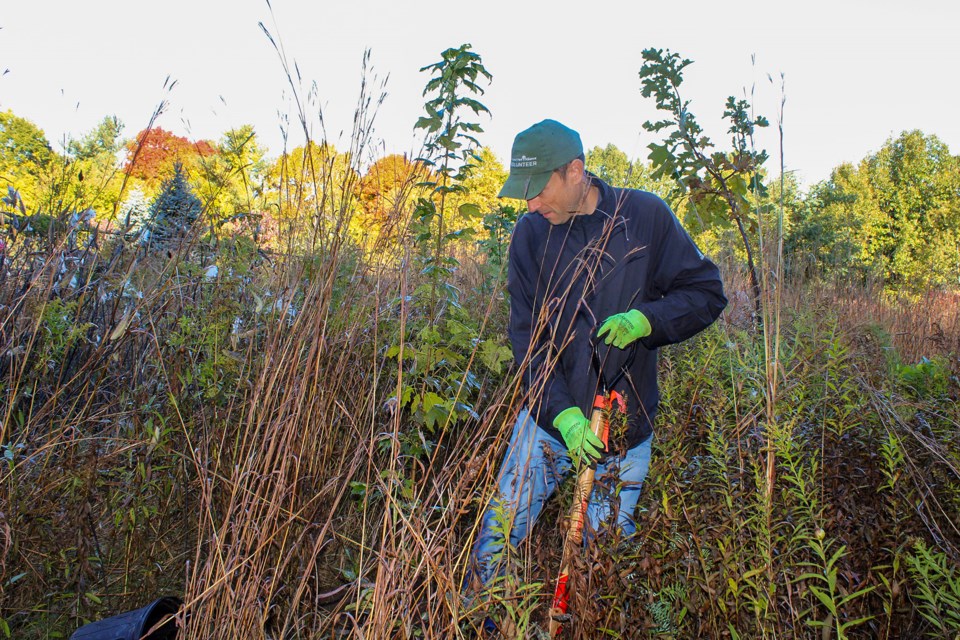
{"points": [[151, 155], [386, 193]]}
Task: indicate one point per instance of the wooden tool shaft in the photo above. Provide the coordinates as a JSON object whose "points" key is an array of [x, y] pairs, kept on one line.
{"points": [[581, 495], [578, 514]]}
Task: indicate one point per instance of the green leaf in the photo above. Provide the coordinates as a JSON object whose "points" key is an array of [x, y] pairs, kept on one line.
{"points": [[858, 621], [658, 154], [493, 355], [825, 598], [430, 124], [753, 572], [836, 556], [856, 594], [469, 210], [430, 400], [463, 407], [14, 579]]}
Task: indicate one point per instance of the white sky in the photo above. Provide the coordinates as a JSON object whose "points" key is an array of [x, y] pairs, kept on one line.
{"points": [[856, 71]]}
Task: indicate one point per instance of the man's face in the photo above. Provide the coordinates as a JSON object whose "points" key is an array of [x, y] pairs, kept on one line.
{"points": [[560, 199]]}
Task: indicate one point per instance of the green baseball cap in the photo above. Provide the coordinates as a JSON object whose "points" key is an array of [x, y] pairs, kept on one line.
{"points": [[537, 151]]}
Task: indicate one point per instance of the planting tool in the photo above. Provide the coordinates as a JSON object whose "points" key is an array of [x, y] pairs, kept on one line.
{"points": [[603, 403]]}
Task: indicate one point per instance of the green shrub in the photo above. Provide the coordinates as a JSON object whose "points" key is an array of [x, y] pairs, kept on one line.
{"points": [[925, 379]]}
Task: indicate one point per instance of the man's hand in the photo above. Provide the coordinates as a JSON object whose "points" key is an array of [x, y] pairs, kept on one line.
{"points": [[624, 328], [583, 446]]}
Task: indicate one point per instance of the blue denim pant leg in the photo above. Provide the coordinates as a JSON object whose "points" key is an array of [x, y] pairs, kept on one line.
{"points": [[620, 478], [527, 479]]}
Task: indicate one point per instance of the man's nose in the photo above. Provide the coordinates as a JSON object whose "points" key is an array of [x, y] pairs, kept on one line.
{"points": [[533, 204]]}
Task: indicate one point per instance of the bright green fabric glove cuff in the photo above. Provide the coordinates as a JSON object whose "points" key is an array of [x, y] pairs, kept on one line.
{"points": [[581, 442], [622, 329]]}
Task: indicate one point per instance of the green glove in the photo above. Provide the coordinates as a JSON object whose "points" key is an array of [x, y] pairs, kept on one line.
{"points": [[624, 328], [582, 445]]}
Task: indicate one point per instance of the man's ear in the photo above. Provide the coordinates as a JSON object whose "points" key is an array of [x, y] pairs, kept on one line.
{"points": [[575, 171]]}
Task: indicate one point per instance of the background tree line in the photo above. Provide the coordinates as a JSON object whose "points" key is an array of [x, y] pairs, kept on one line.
{"points": [[894, 217]]}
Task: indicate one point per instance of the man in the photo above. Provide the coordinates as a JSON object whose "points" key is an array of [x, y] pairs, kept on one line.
{"points": [[590, 265]]}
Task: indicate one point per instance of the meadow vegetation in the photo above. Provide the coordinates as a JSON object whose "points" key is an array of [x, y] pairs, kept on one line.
{"points": [[280, 389]]}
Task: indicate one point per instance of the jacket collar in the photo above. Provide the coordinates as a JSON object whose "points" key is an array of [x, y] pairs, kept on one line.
{"points": [[606, 204]]}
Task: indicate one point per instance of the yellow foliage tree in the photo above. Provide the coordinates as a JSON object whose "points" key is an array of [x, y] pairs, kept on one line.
{"points": [[311, 192]]}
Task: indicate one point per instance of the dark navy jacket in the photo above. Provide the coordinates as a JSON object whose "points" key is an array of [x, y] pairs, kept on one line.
{"points": [[565, 280]]}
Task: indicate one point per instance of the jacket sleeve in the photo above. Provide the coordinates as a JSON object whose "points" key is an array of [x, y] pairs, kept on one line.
{"points": [[684, 294], [529, 331]]}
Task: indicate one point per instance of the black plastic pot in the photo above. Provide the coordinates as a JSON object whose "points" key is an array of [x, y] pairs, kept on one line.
{"points": [[133, 624]]}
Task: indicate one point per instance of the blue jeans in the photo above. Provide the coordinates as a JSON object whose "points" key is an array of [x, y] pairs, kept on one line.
{"points": [[534, 466]]}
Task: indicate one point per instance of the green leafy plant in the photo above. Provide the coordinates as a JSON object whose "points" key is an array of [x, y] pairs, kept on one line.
{"points": [[449, 153], [825, 586], [61, 331], [925, 379], [936, 582], [439, 386], [719, 183], [498, 226]]}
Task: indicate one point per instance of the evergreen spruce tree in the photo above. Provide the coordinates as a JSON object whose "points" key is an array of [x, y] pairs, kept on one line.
{"points": [[174, 210]]}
